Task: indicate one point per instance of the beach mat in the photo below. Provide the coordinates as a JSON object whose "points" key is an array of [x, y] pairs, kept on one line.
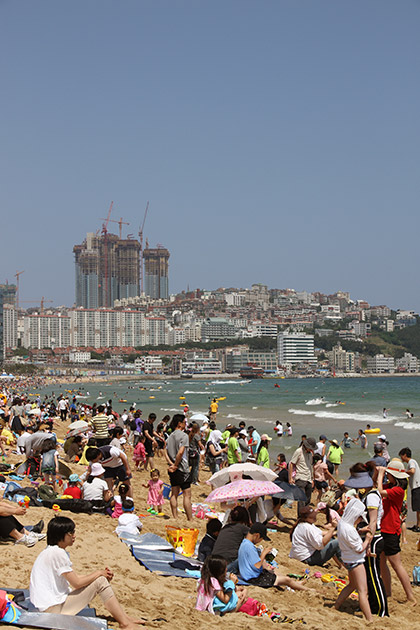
{"points": [[156, 554], [60, 622], [85, 620]]}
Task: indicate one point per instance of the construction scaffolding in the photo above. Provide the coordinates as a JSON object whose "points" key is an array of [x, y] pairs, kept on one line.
{"points": [[107, 269]]}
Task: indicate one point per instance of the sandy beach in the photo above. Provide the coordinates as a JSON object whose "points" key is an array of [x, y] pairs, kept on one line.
{"points": [[173, 599]]}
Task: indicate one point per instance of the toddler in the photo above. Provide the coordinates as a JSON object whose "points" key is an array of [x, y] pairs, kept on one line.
{"points": [[73, 489], [128, 522], [155, 497]]}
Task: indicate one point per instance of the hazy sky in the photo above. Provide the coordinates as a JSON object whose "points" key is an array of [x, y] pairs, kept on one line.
{"points": [[276, 140]]}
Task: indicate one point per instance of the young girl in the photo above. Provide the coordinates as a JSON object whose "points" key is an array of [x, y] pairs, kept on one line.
{"points": [[213, 590], [155, 497], [289, 430], [118, 500], [139, 453], [49, 464], [353, 552]]}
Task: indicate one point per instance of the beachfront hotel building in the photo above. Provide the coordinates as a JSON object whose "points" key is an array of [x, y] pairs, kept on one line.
{"points": [[107, 269], [156, 284], [295, 348]]}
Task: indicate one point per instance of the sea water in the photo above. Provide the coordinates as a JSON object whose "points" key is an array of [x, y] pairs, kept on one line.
{"points": [[312, 406]]}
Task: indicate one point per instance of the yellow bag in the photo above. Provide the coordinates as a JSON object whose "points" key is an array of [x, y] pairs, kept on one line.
{"points": [[183, 540]]}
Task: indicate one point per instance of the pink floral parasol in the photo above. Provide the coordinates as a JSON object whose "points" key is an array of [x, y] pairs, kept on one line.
{"points": [[242, 489]]}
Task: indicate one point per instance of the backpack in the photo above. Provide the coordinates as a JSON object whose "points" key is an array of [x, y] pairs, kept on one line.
{"points": [[416, 575], [46, 493]]}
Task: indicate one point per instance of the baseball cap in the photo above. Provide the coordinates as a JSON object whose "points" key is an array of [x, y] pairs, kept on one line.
{"points": [[259, 528]]}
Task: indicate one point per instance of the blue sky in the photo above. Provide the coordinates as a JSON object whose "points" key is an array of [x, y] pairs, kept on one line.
{"points": [[276, 140]]}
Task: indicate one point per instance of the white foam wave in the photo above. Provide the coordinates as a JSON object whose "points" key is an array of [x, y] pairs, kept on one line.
{"points": [[369, 418], [315, 401], [302, 412], [408, 425], [193, 392], [331, 405], [228, 382], [255, 407], [174, 410], [236, 416]]}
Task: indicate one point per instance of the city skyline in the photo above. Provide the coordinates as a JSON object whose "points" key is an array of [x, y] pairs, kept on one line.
{"points": [[276, 143]]}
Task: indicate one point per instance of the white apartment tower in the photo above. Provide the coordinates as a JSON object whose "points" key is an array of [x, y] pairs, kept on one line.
{"points": [[294, 348]]}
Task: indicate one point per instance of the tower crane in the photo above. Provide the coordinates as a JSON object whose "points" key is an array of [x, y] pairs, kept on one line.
{"points": [[42, 302], [120, 223], [141, 248]]}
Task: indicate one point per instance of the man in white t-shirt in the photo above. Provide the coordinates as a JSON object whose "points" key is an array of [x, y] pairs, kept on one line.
{"points": [[413, 470], [311, 544]]}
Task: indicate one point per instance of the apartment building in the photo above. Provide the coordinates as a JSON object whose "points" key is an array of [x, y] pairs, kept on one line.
{"points": [[294, 348]]}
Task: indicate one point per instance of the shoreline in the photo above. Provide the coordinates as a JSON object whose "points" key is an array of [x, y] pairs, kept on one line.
{"points": [[103, 378]]}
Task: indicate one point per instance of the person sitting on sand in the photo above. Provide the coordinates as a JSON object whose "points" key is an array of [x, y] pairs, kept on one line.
{"points": [[253, 566], [218, 589], [206, 545], [310, 544], [231, 536], [52, 577], [11, 528]]}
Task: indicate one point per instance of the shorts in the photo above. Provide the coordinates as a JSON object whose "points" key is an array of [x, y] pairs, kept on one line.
{"points": [[391, 544], [149, 451], [265, 579], [415, 499], [352, 565], [320, 485], [119, 472], [180, 479]]}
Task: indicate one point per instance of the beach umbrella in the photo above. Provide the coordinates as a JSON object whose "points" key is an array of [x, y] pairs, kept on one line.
{"points": [[76, 428], [289, 492], [199, 417], [236, 471], [242, 489]]}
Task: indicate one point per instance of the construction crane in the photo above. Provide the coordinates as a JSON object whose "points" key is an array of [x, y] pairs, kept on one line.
{"points": [[141, 248], [42, 301], [17, 275], [105, 235], [120, 223]]}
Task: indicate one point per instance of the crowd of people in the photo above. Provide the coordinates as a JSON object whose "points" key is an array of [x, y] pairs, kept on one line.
{"points": [[357, 522]]}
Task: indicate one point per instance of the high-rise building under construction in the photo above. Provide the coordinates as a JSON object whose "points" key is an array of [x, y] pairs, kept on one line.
{"points": [[107, 269], [156, 272]]}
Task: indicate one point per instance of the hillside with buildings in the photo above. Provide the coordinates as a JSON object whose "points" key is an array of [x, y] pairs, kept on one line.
{"points": [[282, 331]]}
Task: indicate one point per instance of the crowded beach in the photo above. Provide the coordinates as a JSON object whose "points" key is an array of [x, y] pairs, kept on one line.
{"points": [[300, 540]]}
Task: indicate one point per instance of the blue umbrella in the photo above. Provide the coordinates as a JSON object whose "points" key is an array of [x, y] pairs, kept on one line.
{"points": [[290, 492]]}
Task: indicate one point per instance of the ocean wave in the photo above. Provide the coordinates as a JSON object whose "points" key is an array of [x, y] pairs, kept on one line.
{"points": [[369, 418], [255, 407], [228, 382], [174, 410], [191, 392], [236, 416], [408, 425], [332, 404], [315, 401]]}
